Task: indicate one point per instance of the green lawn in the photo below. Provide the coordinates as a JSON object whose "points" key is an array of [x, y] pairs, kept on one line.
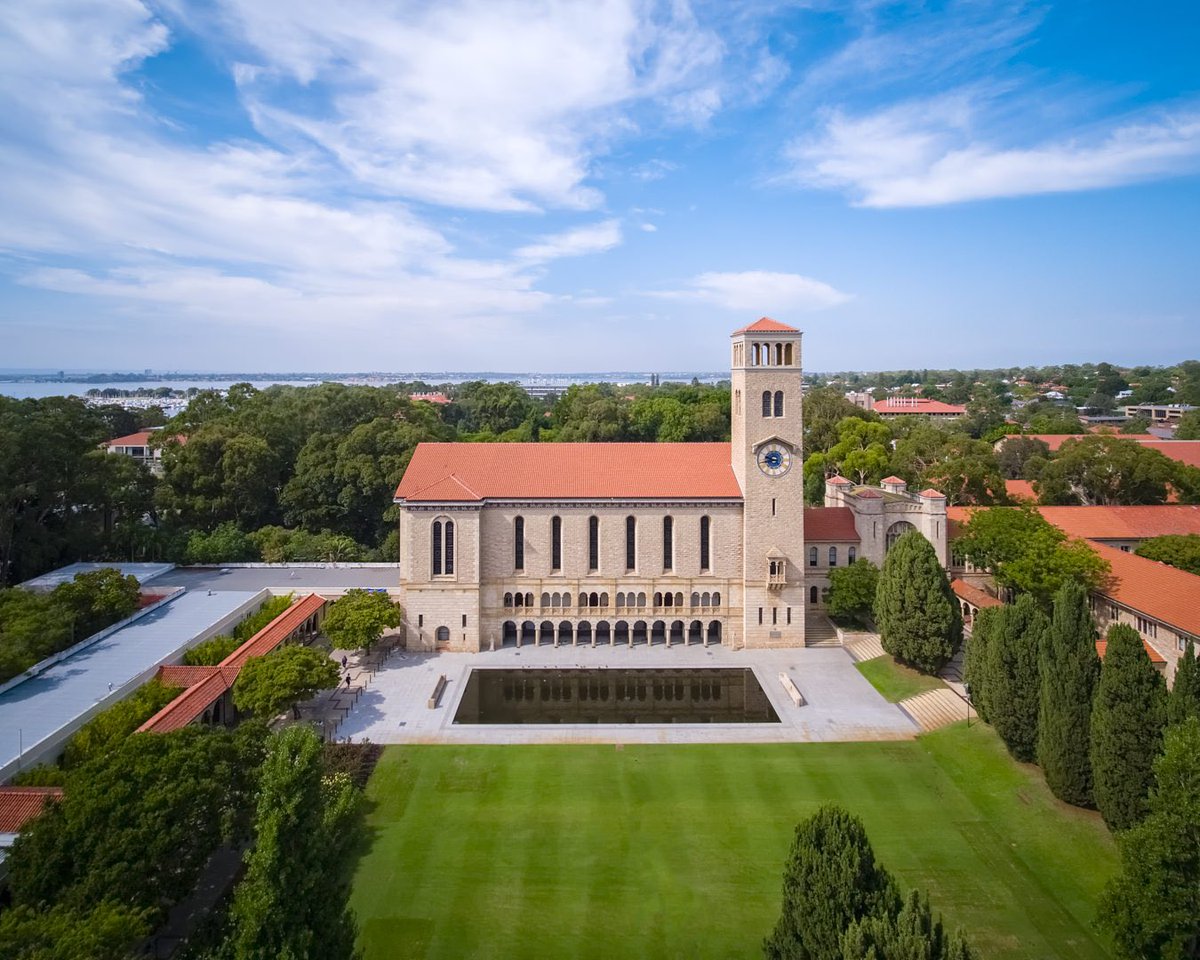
{"points": [[894, 681], [677, 851]]}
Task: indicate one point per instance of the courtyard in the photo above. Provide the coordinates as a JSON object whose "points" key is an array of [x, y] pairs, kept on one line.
{"points": [[613, 850]]}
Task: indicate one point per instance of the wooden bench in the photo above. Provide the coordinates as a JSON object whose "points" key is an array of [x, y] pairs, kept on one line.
{"points": [[438, 689], [791, 689]]}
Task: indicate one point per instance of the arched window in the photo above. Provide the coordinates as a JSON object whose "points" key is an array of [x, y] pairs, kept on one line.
{"points": [[641, 599], [449, 546], [620, 599], [583, 599], [812, 594], [754, 354], [779, 403], [443, 634], [679, 599], [851, 555], [779, 354], [705, 599], [833, 556], [695, 599], [545, 599], [630, 543], [508, 599], [737, 401], [658, 599], [788, 356], [556, 543], [812, 556], [895, 532], [437, 548], [705, 525], [766, 404], [603, 600], [519, 543], [529, 599], [716, 599], [593, 543], [668, 544], [519, 600]]}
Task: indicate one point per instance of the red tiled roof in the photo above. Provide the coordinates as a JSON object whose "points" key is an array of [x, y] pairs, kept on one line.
{"points": [[866, 493], [839, 479], [891, 480], [139, 439], [1185, 451], [190, 704], [1155, 656], [275, 632], [19, 805], [766, 325], [933, 494], [440, 398], [1020, 490], [973, 595], [183, 675], [441, 472], [1163, 593], [830, 524], [917, 406], [1124, 523]]}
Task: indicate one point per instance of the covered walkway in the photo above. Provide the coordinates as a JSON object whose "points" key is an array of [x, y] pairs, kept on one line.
{"points": [[601, 633]]}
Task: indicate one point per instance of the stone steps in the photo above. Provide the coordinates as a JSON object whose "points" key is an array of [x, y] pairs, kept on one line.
{"points": [[820, 632], [935, 709], [865, 648]]}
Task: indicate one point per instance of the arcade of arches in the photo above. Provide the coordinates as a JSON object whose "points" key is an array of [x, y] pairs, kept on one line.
{"points": [[567, 633]]}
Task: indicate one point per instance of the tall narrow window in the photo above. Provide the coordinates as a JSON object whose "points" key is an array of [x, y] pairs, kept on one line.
{"points": [[593, 543], [812, 556], [630, 543], [437, 547], [519, 543], [766, 403], [704, 542], [556, 543], [833, 556], [449, 546], [668, 544], [779, 403], [851, 555]]}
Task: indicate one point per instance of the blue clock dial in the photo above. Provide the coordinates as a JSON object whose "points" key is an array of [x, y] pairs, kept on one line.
{"points": [[774, 459]]}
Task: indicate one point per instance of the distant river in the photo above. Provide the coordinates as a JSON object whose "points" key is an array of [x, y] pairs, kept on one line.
{"points": [[55, 388]]}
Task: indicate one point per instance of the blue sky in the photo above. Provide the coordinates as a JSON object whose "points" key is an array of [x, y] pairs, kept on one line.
{"points": [[611, 184]]}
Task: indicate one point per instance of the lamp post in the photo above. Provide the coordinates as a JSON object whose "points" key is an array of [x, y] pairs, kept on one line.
{"points": [[967, 698]]}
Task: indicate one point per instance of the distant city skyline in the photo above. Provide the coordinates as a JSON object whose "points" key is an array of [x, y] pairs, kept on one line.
{"points": [[596, 187]]}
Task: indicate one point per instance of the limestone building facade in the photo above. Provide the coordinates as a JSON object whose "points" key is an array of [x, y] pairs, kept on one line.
{"points": [[640, 543]]}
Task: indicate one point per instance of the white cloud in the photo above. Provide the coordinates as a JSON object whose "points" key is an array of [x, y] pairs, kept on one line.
{"points": [[932, 152], [758, 291], [649, 228], [592, 238]]}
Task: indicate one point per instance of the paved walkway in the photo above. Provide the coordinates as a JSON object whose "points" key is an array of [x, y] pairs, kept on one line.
{"points": [[841, 704]]}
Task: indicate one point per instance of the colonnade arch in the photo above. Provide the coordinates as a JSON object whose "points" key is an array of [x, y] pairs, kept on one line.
{"points": [[604, 632]]}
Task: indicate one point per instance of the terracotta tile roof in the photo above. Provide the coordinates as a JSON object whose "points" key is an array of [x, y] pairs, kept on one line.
{"points": [[766, 325], [184, 676], [439, 398], [1124, 523], [19, 805], [918, 406], [866, 493], [830, 524], [1020, 490], [973, 595], [190, 704], [1155, 656], [891, 480], [933, 494], [1185, 451], [458, 472], [1163, 593], [139, 439], [275, 632], [837, 479]]}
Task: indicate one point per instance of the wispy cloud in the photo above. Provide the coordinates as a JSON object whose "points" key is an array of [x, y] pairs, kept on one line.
{"points": [[758, 290], [593, 238]]}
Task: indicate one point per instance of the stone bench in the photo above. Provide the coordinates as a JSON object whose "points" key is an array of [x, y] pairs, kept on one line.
{"points": [[791, 689], [438, 689]]}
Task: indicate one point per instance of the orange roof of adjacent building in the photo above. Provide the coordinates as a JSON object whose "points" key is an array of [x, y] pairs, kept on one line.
{"points": [[1124, 523], [463, 472], [439, 398], [1185, 451], [917, 406], [1155, 656], [139, 439], [934, 494], [973, 595], [275, 632], [19, 805], [1158, 591], [766, 325], [830, 523], [1020, 490]]}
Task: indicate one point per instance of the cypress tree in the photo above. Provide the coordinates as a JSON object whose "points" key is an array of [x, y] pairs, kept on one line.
{"points": [[1069, 669], [919, 620], [977, 661], [1127, 724], [1014, 676], [912, 934], [1184, 701], [831, 880]]}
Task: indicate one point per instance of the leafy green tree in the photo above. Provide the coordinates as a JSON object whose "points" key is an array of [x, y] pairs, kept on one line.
{"points": [[1016, 452], [211, 651], [830, 881], [283, 677], [1152, 906], [1178, 550], [294, 899], [226, 544], [852, 589], [1184, 700], [918, 618], [358, 619], [1135, 425], [861, 451], [824, 411], [106, 931], [1128, 715], [1014, 676], [1069, 671], [1023, 550], [1189, 426], [493, 408], [103, 732], [97, 599], [1105, 470], [912, 934], [592, 412], [965, 470]]}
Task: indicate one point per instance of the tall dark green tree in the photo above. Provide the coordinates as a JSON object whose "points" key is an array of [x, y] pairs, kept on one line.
{"points": [[1152, 906], [830, 881], [1184, 700], [1069, 669], [1014, 676], [978, 660], [918, 617], [912, 934], [1127, 723]]}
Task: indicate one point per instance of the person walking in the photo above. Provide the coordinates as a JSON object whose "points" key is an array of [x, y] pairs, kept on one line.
{"points": [[344, 661], [347, 681]]}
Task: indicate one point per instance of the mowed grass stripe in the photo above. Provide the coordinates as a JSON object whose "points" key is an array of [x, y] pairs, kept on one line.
{"points": [[664, 851]]}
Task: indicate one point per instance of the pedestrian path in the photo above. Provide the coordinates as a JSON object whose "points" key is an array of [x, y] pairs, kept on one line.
{"points": [[935, 709], [329, 708]]}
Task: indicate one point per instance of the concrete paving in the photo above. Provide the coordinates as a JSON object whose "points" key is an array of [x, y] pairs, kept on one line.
{"points": [[840, 703]]}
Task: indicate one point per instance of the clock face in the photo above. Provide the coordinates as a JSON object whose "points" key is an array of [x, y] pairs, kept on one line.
{"points": [[774, 460]]}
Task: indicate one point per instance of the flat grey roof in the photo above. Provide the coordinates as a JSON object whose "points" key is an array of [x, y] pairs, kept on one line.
{"points": [[62, 697], [145, 572], [281, 578]]}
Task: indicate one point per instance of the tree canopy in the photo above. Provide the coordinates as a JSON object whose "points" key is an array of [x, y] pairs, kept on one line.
{"points": [[358, 619], [919, 620], [268, 684], [1177, 550]]}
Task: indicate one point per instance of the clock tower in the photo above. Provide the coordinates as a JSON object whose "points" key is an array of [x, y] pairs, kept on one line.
{"points": [[767, 429]]}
